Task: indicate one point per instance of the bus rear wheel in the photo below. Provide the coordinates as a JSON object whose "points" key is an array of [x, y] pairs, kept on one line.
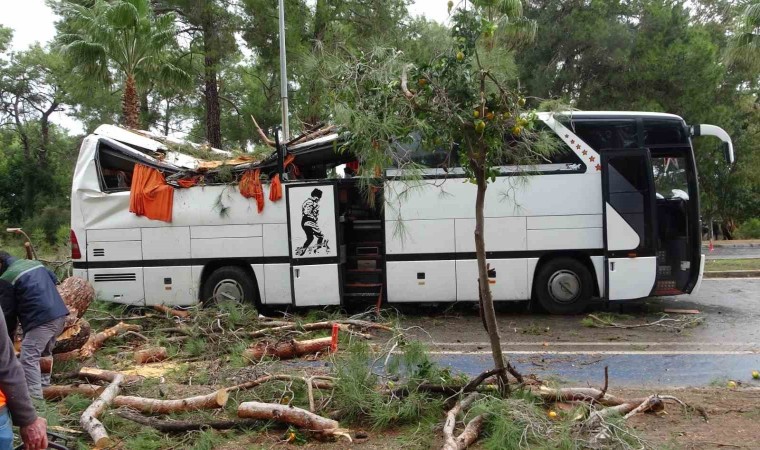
{"points": [[564, 286], [229, 284]]}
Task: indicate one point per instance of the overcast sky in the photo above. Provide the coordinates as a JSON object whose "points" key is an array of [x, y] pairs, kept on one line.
{"points": [[32, 21]]}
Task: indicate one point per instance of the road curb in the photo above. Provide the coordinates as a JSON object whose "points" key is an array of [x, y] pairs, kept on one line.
{"points": [[733, 274]]}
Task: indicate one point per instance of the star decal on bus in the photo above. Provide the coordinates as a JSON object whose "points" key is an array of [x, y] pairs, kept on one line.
{"points": [[598, 167], [592, 158], [585, 152]]}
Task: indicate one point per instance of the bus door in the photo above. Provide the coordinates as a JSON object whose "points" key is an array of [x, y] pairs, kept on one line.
{"points": [[629, 223], [314, 246]]}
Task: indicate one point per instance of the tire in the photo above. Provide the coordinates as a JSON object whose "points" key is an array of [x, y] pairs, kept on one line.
{"points": [[230, 283], [564, 286]]}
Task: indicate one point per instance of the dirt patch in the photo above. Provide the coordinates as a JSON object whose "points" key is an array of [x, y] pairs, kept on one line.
{"points": [[733, 420]]}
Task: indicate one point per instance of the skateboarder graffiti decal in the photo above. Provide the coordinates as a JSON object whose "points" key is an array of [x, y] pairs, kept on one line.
{"points": [[310, 226]]}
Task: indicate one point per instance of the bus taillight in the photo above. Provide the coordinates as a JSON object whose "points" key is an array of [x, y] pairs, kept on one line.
{"points": [[75, 253]]}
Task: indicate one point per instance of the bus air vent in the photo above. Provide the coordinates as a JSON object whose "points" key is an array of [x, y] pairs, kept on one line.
{"points": [[106, 277]]}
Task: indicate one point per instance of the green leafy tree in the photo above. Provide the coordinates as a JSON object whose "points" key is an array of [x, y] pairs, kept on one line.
{"points": [[463, 102], [745, 46], [125, 35]]}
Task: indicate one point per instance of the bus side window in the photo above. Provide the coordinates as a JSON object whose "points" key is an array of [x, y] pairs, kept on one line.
{"points": [[604, 134], [115, 170]]}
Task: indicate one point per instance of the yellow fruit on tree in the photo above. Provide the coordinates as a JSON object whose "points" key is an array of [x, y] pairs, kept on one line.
{"points": [[451, 4], [422, 82], [476, 114], [516, 130], [732, 384], [490, 115], [552, 414], [755, 374], [480, 126], [460, 56], [521, 102]]}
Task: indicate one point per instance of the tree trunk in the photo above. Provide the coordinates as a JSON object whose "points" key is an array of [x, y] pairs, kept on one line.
{"points": [[151, 355], [89, 420], [172, 312], [215, 400], [77, 294], [73, 337], [183, 426], [211, 88], [489, 314], [130, 104], [287, 349], [57, 392], [291, 415]]}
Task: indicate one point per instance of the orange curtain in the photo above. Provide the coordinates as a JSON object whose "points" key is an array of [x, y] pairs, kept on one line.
{"points": [[275, 189], [149, 195], [250, 187]]}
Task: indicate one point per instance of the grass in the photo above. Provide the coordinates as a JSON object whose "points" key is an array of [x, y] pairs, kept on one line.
{"points": [[717, 265]]}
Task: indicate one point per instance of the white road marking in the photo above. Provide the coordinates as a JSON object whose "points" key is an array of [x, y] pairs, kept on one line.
{"points": [[601, 344], [599, 352]]}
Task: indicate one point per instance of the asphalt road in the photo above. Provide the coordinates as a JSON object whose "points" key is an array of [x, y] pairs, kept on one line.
{"points": [[725, 345]]}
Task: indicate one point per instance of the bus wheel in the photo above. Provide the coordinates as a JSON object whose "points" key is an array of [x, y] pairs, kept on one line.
{"points": [[229, 284], [564, 286]]}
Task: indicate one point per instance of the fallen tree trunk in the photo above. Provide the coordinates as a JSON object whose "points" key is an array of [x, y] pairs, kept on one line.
{"points": [[151, 355], [590, 395], [77, 294], [89, 420], [291, 415], [172, 312], [287, 349], [96, 341], [215, 400], [182, 426], [343, 324], [73, 337], [57, 392], [46, 365], [93, 374]]}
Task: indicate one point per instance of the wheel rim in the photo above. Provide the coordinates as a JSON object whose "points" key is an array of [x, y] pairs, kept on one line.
{"points": [[564, 286], [228, 290]]}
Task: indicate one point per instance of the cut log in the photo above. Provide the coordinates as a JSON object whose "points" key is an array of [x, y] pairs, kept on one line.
{"points": [[46, 365], [471, 432], [182, 426], [57, 392], [291, 415], [172, 312], [343, 324], [73, 337], [92, 374], [97, 340], [287, 349], [151, 355], [215, 400], [89, 420], [77, 294]]}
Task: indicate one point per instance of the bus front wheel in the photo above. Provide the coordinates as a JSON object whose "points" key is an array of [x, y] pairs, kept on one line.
{"points": [[229, 284], [564, 286]]}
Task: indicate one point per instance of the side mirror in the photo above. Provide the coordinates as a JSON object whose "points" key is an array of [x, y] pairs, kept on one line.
{"points": [[727, 153]]}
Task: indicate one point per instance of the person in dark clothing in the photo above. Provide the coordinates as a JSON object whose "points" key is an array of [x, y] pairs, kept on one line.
{"points": [[28, 296], [14, 398]]}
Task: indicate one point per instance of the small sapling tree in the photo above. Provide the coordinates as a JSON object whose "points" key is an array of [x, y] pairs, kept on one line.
{"points": [[465, 102]]}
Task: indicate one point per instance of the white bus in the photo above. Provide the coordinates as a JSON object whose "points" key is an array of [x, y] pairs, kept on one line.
{"points": [[613, 217]]}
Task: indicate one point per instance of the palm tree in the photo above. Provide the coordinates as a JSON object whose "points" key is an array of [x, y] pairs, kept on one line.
{"points": [[745, 46], [125, 36]]}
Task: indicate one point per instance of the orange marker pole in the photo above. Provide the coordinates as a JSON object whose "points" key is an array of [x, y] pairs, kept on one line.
{"points": [[334, 342]]}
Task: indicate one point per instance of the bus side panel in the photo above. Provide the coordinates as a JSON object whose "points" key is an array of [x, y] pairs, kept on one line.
{"points": [[509, 280], [276, 277], [105, 251], [421, 281], [167, 266], [502, 234], [631, 278]]}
